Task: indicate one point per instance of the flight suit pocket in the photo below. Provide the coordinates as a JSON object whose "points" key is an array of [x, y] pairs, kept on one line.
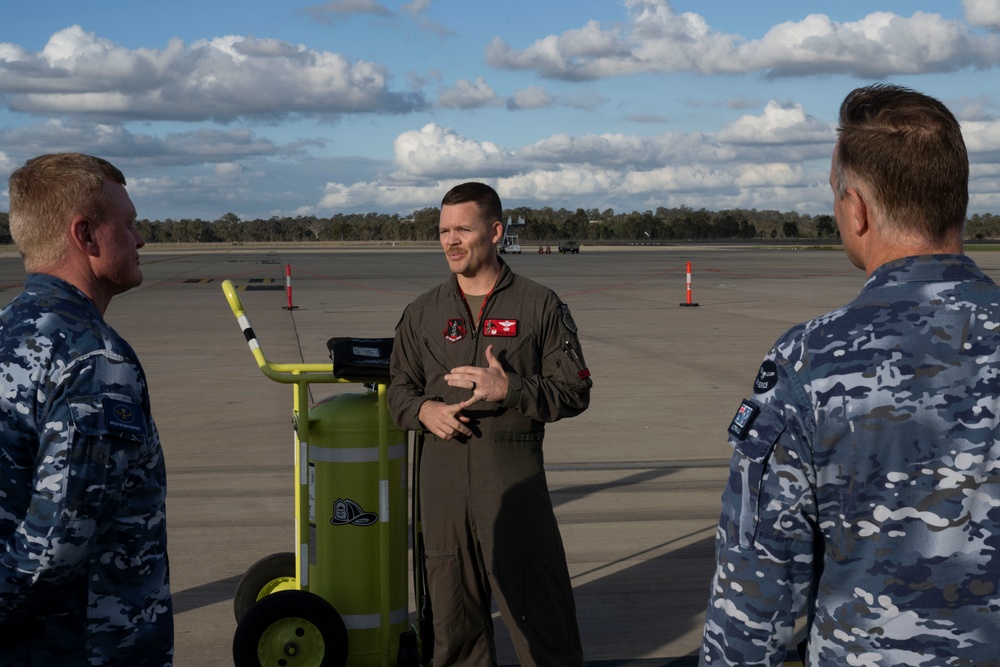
{"points": [[104, 444], [112, 418], [444, 582], [753, 435], [437, 355]]}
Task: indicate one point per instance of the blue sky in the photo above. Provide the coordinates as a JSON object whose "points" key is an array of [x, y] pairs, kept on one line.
{"points": [[264, 108]]}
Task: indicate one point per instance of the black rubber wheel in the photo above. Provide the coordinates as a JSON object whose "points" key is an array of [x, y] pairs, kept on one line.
{"points": [[261, 579], [291, 629]]}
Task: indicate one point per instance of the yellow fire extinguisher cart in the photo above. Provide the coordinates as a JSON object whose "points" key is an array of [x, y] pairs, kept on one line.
{"points": [[340, 597]]}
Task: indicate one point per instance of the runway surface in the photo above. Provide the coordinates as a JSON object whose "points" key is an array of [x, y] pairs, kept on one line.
{"points": [[635, 480]]}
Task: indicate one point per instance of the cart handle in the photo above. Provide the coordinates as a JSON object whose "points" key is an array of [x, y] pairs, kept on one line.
{"points": [[283, 373]]}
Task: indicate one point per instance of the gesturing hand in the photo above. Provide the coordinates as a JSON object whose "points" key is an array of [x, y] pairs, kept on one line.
{"points": [[487, 384]]}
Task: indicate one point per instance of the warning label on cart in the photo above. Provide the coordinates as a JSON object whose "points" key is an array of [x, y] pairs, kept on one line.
{"points": [[347, 512]]}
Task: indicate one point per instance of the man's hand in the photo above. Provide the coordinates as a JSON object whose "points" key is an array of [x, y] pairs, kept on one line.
{"points": [[445, 420], [487, 384]]}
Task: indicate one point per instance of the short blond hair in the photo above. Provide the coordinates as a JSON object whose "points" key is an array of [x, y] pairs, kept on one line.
{"points": [[46, 193]]}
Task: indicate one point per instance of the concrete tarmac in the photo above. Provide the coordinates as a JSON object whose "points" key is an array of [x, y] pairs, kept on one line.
{"points": [[636, 480]]}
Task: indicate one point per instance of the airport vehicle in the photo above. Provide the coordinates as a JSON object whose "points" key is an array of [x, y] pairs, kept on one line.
{"points": [[340, 597], [509, 245], [567, 245]]}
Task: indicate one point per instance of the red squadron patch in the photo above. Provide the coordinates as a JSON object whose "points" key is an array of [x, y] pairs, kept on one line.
{"points": [[495, 327], [455, 330]]}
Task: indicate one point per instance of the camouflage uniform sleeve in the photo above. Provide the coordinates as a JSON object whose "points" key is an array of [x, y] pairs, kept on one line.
{"points": [[764, 543], [79, 472]]}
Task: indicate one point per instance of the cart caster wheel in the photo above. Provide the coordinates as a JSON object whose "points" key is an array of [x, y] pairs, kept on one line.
{"points": [[291, 629], [262, 579]]}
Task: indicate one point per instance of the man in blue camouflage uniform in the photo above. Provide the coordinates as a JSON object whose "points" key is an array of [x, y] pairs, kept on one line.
{"points": [[863, 490], [83, 562]]}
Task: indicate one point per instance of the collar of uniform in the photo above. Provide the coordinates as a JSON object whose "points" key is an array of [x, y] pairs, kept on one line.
{"points": [[925, 269], [43, 284]]}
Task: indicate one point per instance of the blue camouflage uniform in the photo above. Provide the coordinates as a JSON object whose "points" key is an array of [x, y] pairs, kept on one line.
{"points": [[864, 488], [83, 565]]}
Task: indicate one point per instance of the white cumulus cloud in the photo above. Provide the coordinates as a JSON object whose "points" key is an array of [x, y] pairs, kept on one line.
{"points": [[437, 152], [223, 79], [983, 12], [779, 157], [532, 97], [779, 124], [469, 95], [656, 38]]}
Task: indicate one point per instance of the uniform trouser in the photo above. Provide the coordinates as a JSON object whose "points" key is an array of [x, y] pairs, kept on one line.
{"points": [[489, 528]]}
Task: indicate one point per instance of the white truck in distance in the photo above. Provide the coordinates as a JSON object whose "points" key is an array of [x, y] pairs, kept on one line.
{"points": [[509, 244]]}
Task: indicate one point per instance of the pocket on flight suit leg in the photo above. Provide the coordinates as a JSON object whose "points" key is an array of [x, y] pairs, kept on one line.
{"points": [[446, 588]]}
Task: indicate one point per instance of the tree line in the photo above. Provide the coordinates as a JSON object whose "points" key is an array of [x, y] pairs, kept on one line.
{"points": [[541, 225]]}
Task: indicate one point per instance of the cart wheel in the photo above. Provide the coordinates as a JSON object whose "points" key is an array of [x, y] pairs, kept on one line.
{"points": [[262, 579], [291, 629]]}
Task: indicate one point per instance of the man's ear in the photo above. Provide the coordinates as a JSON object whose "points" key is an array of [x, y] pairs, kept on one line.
{"points": [[858, 221], [82, 236], [497, 231]]}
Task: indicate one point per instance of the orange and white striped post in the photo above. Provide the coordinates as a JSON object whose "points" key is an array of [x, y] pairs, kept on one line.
{"points": [[288, 287], [688, 302]]}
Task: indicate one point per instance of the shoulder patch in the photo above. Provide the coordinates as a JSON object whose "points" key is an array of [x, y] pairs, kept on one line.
{"points": [[567, 318], [744, 419], [767, 377], [123, 416]]}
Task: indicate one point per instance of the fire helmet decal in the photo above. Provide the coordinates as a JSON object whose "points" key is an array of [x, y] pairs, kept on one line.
{"points": [[347, 512]]}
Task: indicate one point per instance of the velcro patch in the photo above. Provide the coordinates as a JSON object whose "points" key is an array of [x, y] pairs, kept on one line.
{"points": [[123, 416], [744, 419], [567, 318], [494, 327], [455, 330]]}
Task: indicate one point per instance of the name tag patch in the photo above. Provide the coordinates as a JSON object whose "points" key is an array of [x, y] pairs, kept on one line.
{"points": [[744, 419], [123, 416], [500, 328]]}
